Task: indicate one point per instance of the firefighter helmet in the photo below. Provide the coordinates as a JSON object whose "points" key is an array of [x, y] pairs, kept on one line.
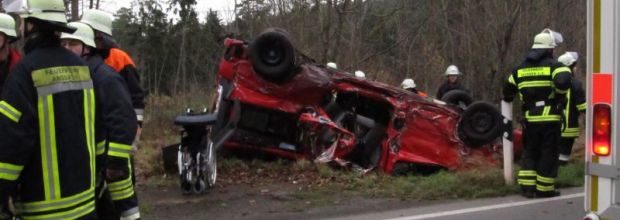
{"points": [[360, 74], [82, 33], [50, 12], [452, 70], [408, 84], [7, 25], [568, 58], [98, 20], [46, 10], [547, 39], [332, 65]]}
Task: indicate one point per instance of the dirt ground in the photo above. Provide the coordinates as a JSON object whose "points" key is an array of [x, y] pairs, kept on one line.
{"points": [[243, 201]]}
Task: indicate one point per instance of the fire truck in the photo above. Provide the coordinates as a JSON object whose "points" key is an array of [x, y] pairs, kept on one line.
{"points": [[602, 171]]}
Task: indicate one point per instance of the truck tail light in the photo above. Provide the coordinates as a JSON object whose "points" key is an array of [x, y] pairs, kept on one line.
{"points": [[601, 136]]}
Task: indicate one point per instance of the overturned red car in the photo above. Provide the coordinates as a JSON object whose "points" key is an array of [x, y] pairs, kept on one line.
{"points": [[274, 99]]}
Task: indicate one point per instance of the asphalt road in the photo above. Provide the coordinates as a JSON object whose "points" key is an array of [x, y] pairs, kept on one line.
{"points": [[567, 206]]}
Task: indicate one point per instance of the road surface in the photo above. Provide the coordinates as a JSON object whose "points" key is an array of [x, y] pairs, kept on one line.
{"points": [[567, 206]]}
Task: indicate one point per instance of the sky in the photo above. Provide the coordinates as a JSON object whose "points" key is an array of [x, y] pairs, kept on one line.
{"points": [[223, 7]]}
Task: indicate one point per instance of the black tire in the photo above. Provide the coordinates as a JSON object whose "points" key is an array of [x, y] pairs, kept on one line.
{"points": [[273, 56], [480, 124], [457, 97]]}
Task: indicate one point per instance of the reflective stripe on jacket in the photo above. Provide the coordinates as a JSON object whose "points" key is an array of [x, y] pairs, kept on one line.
{"points": [[537, 81]]}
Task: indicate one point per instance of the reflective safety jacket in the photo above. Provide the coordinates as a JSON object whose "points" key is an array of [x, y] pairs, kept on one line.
{"points": [[6, 66], [47, 137], [115, 128], [122, 63], [542, 84], [576, 104]]}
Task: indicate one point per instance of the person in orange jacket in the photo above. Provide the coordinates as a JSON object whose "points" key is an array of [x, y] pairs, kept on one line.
{"points": [[409, 85], [116, 58]]}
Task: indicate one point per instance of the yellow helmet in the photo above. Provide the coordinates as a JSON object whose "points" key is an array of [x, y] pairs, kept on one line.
{"points": [[7, 25], [82, 33], [98, 20]]}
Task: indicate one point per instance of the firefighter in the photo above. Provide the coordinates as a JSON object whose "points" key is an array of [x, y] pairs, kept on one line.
{"points": [[47, 123], [409, 85], [118, 59], [115, 128], [452, 81], [542, 84], [575, 106], [8, 55], [121, 62]]}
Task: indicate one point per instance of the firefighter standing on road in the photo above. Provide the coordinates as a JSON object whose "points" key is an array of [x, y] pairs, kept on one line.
{"points": [[115, 127], [542, 84], [575, 106], [452, 82], [8, 56], [47, 123]]}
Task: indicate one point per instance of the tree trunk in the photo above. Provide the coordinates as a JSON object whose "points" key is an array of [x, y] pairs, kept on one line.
{"points": [[75, 10]]}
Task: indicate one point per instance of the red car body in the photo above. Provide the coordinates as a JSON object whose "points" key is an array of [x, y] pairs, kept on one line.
{"points": [[289, 119]]}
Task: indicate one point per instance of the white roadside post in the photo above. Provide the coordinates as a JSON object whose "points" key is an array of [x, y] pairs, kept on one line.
{"points": [[507, 143]]}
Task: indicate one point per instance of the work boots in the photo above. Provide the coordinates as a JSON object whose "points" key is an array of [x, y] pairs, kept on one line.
{"points": [[547, 194], [528, 192], [532, 193]]}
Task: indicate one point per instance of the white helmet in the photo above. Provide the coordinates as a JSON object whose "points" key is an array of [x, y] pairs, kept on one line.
{"points": [[47, 10], [98, 20], [360, 74], [453, 70], [83, 33], [332, 65], [568, 58], [7, 25], [547, 39], [408, 84]]}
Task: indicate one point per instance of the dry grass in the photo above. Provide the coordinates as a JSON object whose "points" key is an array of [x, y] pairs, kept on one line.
{"points": [[159, 129]]}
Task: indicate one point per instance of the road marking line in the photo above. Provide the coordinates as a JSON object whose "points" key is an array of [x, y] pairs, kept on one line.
{"points": [[484, 208]]}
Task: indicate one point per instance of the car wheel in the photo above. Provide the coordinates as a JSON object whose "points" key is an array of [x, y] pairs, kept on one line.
{"points": [[458, 98], [273, 56], [480, 124]]}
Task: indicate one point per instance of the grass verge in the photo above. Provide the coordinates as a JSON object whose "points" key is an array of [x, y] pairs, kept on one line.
{"points": [[317, 183]]}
